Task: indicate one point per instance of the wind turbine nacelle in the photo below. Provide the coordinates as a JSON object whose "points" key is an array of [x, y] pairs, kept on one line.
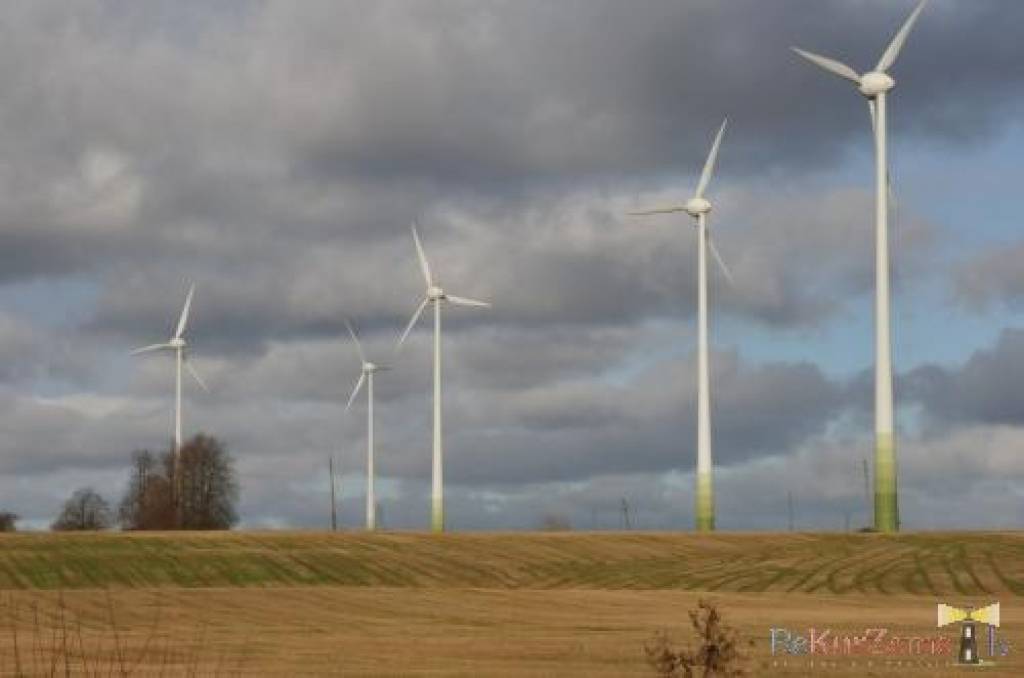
{"points": [[874, 83], [369, 367], [434, 293], [177, 342], [697, 206]]}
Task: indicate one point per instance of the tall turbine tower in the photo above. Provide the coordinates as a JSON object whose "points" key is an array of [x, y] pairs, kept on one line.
{"points": [[177, 344], [698, 207], [366, 375], [875, 86], [436, 296]]}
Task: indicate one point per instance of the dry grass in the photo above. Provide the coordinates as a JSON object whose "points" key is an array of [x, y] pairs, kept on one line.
{"points": [[469, 632], [483, 605]]}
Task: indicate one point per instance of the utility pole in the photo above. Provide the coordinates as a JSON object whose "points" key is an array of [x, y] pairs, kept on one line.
{"points": [[789, 506], [867, 490], [334, 505]]}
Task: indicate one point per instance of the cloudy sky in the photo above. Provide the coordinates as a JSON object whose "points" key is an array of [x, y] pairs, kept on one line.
{"points": [[276, 152]]}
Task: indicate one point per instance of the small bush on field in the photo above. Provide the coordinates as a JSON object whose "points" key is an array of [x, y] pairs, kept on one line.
{"points": [[717, 653], [555, 523]]}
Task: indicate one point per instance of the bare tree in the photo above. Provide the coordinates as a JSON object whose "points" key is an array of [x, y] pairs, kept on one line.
{"points": [[198, 492], [147, 504], [207, 487], [7, 521], [85, 510]]}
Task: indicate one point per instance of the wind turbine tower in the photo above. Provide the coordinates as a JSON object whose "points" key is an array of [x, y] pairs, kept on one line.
{"points": [[437, 296], [367, 370], [698, 207], [875, 86], [178, 344]]}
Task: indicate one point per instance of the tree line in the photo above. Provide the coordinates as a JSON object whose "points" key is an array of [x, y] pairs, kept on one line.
{"points": [[196, 489]]}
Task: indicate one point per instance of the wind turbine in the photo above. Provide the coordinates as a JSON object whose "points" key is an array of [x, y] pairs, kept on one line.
{"points": [[436, 296], [177, 344], [366, 373], [875, 85], [698, 207]]}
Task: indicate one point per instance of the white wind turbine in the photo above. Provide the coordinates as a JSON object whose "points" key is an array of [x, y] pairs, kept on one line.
{"points": [[366, 372], [436, 296], [178, 345], [875, 85], [698, 207]]}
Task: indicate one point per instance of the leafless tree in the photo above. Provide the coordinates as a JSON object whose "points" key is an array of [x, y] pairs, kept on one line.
{"points": [[85, 510], [7, 521], [197, 492], [147, 504], [206, 485]]}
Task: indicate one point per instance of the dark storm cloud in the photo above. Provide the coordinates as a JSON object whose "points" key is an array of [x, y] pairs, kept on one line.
{"points": [[985, 390], [275, 153], [481, 93], [990, 277]]}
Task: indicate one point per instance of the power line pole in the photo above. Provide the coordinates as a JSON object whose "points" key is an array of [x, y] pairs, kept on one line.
{"points": [[334, 505], [867, 491]]}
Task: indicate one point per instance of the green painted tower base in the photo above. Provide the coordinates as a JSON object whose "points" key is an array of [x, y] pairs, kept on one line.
{"points": [[437, 518], [705, 504], [886, 501]]}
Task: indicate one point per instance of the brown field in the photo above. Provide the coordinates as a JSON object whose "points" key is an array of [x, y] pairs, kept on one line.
{"points": [[479, 605]]}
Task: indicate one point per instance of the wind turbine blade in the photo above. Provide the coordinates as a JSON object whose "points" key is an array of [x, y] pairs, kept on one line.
{"points": [[721, 262], [709, 165], [355, 391], [424, 266], [412, 321], [195, 375], [359, 348], [830, 65], [659, 210], [464, 301], [151, 347], [893, 50], [183, 320]]}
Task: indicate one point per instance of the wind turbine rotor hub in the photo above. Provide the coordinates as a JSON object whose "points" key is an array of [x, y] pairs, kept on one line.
{"points": [[874, 83], [434, 293], [697, 206], [177, 342]]}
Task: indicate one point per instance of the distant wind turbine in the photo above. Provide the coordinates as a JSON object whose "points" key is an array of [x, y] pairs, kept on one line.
{"points": [[875, 85], [178, 345], [698, 207], [366, 372], [436, 296]]}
